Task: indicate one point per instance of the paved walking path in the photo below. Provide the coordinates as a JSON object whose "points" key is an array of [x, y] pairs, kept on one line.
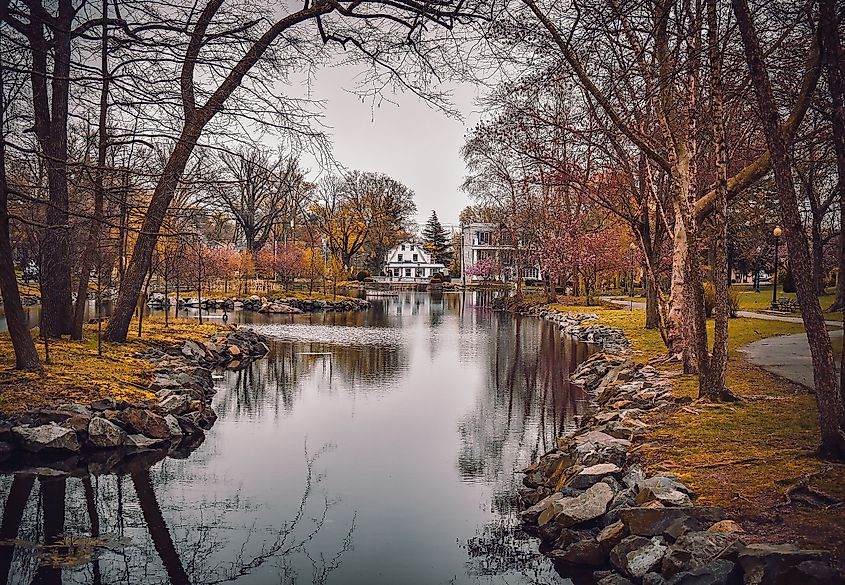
{"points": [[787, 356]]}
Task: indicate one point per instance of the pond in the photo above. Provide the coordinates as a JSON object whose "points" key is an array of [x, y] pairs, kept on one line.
{"points": [[379, 447]]}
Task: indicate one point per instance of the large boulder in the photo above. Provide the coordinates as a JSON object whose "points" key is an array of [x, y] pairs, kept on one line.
{"points": [[193, 350], [696, 549], [657, 520], [584, 552], [718, 572], [49, 436], [146, 423], [531, 515], [786, 564], [104, 433], [588, 506], [635, 556], [175, 404], [137, 441], [665, 489], [590, 476]]}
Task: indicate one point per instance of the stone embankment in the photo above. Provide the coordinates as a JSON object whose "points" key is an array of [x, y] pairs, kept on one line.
{"points": [[181, 412], [279, 305], [580, 326], [595, 510]]}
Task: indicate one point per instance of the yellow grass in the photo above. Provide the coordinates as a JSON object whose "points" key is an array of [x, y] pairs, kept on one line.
{"points": [[76, 374]]}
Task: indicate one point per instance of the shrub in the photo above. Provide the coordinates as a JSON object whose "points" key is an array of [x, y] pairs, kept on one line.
{"points": [[362, 276], [437, 277]]}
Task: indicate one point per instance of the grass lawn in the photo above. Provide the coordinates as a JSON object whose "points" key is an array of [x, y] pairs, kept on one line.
{"points": [[742, 456], [76, 374]]}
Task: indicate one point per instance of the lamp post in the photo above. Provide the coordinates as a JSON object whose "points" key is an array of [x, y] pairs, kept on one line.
{"points": [[776, 233], [632, 246]]}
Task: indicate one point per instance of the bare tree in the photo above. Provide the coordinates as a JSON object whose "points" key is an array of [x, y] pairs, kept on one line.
{"points": [[828, 397]]}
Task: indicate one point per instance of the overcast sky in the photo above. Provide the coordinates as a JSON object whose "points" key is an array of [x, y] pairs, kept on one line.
{"points": [[408, 140]]}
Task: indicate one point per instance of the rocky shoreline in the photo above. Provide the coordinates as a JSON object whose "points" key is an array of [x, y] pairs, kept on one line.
{"points": [[598, 514], [579, 326], [280, 305], [71, 436]]}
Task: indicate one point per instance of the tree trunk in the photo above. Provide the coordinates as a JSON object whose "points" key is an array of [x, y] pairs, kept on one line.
{"points": [[834, 63], [712, 386], [828, 398], [51, 120], [26, 356]]}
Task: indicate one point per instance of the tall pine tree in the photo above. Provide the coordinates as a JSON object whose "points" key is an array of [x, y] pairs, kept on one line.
{"points": [[436, 241]]}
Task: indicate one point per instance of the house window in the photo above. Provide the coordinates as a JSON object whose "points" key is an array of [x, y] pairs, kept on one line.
{"points": [[407, 272], [412, 247], [416, 257], [399, 257], [403, 247], [483, 238]]}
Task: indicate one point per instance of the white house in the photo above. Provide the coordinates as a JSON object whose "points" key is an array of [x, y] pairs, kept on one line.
{"points": [[408, 262], [480, 241]]}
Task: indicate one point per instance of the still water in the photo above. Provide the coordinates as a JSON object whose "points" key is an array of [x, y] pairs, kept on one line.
{"points": [[381, 447]]}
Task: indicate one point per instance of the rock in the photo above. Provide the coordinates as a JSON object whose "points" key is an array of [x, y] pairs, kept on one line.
{"points": [[76, 409], [78, 422], [654, 521], [234, 350], [104, 404], [592, 475], [718, 572], [584, 552], [49, 436], [588, 506], [141, 442], [173, 425], [696, 549], [532, 514], [653, 579], [726, 526], [635, 556], [193, 350], [614, 579], [614, 532], [785, 564], [175, 404], [146, 422], [102, 433], [633, 476], [549, 532], [665, 490]]}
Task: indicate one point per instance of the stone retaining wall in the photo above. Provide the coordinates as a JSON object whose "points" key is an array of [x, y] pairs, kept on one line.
{"points": [[598, 512], [70, 434]]}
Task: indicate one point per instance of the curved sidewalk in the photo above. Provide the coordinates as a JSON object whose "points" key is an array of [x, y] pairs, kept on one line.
{"points": [[787, 356]]}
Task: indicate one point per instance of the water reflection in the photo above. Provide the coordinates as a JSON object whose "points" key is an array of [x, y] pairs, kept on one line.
{"points": [[428, 405]]}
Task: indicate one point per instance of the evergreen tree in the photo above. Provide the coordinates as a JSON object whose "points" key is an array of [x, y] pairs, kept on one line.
{"points": [[436, 241]]}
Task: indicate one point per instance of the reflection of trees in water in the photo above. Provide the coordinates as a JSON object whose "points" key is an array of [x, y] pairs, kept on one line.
{"points": [[526, 401], [273, 384], [525, 404], [56, 529]]}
